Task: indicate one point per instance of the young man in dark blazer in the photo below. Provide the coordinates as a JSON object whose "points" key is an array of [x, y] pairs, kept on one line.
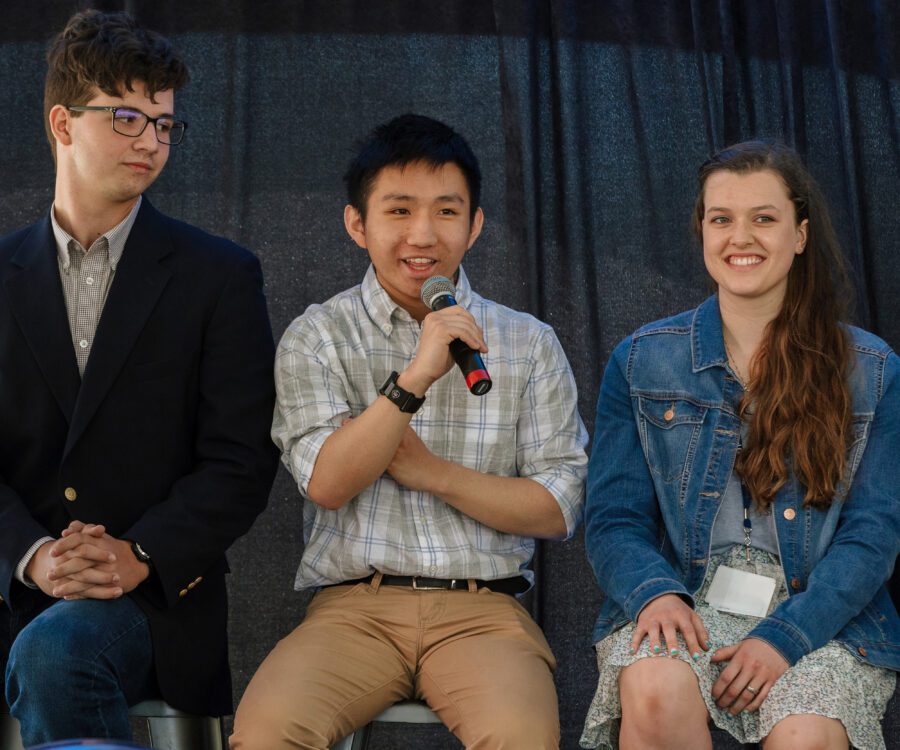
{"points": [[135, 402]]}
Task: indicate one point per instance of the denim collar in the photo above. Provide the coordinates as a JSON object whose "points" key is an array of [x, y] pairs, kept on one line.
{"points": [[707, 344]]}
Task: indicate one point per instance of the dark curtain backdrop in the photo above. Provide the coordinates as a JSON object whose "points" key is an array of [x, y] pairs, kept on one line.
{"points": [[590, 120]]}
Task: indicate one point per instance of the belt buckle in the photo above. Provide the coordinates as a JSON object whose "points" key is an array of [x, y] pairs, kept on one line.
{"points": [[417, 587]]}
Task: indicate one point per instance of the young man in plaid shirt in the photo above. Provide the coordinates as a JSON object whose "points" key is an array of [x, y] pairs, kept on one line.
{"points": [[421, 501]]}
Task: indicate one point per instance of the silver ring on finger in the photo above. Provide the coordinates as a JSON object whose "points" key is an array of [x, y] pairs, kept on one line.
{"points": [[751, 689]]}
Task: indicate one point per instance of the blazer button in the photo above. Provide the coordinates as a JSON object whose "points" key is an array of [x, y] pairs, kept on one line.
{"points": [[790, 514], [795, 583], [191, 585], [70, 494], [862, 651], [183, 592]]}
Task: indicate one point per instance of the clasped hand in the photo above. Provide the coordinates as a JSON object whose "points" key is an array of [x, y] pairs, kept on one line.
{"points": [[753, 665], [86, 563]]}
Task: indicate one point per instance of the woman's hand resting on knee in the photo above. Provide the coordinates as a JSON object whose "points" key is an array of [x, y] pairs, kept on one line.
{"points": [[664, 617], [754, 666]]}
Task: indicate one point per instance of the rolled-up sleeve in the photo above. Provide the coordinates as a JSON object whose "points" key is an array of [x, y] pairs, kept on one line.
{"points": [[551, 435], [311, 397]]}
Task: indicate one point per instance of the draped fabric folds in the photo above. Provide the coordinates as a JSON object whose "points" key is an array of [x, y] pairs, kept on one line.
{"points": [[590, 120]]}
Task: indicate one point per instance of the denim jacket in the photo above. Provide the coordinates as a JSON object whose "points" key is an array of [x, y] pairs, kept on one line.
{"points": [[666, 437]]}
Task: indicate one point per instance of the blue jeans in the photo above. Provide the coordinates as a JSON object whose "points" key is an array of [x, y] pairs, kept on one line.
{"points": [[75, 669]]}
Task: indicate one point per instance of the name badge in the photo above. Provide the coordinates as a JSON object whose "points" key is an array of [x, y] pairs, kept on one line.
{"points": [[740, 592]]}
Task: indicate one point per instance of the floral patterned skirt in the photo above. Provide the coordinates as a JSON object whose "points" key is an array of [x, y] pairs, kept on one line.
{"points": [[830, 681]]}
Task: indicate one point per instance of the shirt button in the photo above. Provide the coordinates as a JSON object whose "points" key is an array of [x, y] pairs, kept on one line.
{"points": [[70, 494], [83, 343], [790, 514], [89, 281], [795, 583]]}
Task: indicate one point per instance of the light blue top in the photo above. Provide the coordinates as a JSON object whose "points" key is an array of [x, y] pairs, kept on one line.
{"points": [[666, 436]]}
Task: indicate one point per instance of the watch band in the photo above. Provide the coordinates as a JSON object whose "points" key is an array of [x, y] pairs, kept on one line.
{"points": [[406, 402], [140, 554]]}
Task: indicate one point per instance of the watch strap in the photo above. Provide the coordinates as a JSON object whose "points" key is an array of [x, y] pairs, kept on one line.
{"points": [[139, 553], [407, 402]]}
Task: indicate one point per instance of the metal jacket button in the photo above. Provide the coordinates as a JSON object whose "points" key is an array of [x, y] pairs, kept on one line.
{"points": [[790, 514], [70, 494]]}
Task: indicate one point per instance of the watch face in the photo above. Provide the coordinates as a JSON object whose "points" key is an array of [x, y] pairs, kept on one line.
{"points": [[395, 393]]}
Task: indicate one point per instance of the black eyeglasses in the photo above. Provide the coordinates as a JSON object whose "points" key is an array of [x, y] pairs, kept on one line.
{"points": [[133, 122]]}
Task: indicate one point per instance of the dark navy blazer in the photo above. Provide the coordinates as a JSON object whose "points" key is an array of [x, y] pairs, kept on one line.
{"points": [[164, 440]]}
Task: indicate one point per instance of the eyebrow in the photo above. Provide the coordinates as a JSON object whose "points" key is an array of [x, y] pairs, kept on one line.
{"points": [[449, 198], [138, 109], [765, 207]]}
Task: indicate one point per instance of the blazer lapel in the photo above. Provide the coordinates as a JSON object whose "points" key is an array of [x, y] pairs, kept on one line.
{"points": [[36, 298], [136, 287]]}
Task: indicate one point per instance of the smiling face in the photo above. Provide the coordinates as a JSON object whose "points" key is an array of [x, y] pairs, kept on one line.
{"points": [[417, 225], [101, 166], [750, 236]]}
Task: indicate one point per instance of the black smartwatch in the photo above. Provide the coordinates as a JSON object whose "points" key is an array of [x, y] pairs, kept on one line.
{"points": [[140, 554], [406, 402]]}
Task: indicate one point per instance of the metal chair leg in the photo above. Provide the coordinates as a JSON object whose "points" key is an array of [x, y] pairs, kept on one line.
{"points": [[188, 733]]}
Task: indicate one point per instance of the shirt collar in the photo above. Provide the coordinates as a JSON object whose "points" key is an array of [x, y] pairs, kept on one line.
{"points": [[115, 237], [383, 310], [707, 344]]}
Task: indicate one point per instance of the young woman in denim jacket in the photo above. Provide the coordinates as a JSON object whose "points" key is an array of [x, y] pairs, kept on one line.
{"points": [[755, 434]]}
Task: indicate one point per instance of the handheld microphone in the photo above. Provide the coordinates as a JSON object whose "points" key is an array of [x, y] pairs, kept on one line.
{"points": [[437, 293]]}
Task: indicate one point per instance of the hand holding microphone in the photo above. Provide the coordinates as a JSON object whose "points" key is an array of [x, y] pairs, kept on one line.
{"points": [[438, 292]]}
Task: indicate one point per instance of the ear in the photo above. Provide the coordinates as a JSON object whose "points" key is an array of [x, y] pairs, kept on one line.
{"points": [[802, 234], [60, 119], [477, 224], [355, 226]]}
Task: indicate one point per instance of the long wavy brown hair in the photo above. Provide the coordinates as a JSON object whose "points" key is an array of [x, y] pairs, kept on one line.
{"points": [[798, 405]]}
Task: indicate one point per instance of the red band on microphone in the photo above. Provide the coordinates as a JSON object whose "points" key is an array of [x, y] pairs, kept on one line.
{"points": [[476, 375]]}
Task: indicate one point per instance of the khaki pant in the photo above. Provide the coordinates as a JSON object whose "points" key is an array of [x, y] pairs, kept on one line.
{"points": [[475, 657]]}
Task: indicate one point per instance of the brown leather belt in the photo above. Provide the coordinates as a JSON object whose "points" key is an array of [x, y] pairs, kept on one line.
{"points": [[511, 586]]}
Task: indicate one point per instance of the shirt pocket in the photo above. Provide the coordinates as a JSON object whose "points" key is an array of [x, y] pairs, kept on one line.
{"points": [[670, 430]]}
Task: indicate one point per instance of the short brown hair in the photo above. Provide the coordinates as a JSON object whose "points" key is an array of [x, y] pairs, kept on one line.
{"points": [[107, 51]]}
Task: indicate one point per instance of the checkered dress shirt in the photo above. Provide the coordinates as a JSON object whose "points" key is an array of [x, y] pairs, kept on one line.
{"points": [[329, 366], [86, 276]]}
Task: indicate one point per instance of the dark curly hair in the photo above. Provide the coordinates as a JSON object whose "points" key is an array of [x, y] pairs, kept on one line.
{"points": [[109, 52]]}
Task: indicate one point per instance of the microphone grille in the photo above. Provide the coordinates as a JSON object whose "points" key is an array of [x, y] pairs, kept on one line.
{"points": [[434, 287]]}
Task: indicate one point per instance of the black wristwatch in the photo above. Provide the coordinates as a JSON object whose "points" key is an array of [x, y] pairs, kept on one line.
{"points": [[140, 554], [406, 402]]}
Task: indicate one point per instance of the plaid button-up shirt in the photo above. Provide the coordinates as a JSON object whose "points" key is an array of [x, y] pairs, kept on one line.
{"points": [[329, 366]]}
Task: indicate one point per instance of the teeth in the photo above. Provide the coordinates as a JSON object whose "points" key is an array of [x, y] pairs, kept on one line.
{"points": [[744, 260], [418, 261]]}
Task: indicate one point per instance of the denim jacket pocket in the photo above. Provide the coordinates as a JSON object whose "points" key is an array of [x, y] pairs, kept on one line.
{"points": [[859, 435], [670, 429]]}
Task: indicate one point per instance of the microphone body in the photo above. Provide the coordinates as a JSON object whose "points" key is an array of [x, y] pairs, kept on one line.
{"points": [[437, 294]]}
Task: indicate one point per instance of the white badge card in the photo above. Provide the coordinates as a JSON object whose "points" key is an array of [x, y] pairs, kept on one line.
{"points": [[740, 592]]}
